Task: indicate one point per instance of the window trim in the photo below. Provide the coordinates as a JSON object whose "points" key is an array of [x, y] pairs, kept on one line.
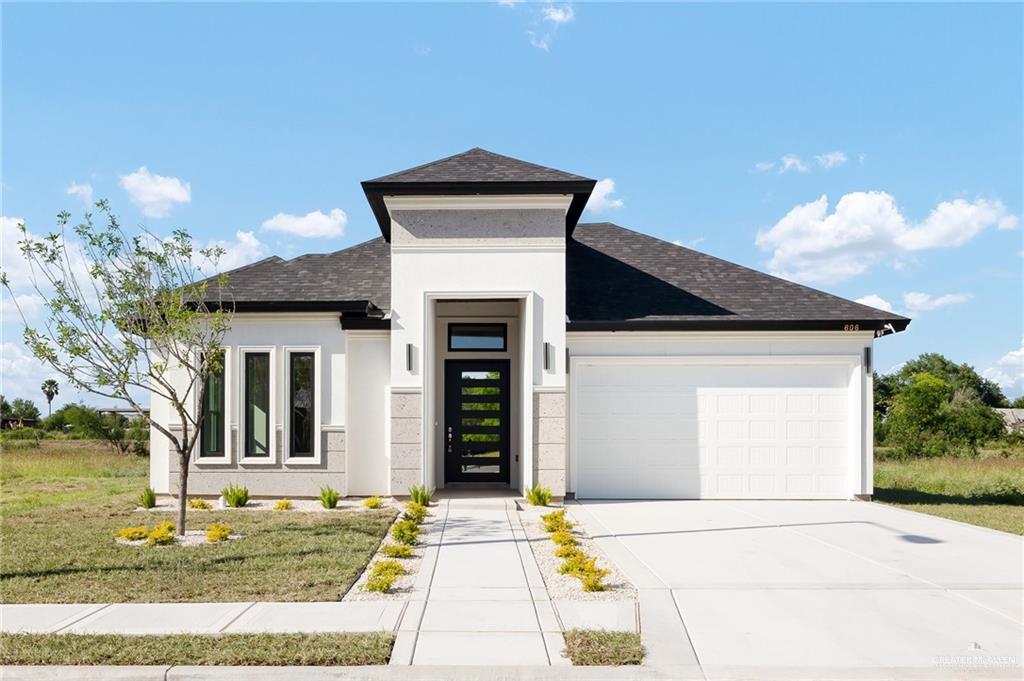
{"points": [[502, 326], [225, 457], [243, 351], [286, 441]]}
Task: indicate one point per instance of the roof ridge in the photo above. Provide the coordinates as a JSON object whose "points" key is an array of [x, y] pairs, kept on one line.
{"points": [[749, 269]]}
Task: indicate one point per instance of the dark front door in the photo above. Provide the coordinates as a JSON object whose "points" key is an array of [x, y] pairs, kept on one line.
{"points": [[476, 427]]}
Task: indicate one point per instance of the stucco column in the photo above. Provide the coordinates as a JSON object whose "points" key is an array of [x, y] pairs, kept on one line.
{"points": [[549, 452], [406, 439]]}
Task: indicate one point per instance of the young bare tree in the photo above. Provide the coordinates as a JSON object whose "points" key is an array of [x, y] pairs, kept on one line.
{"points": [[129, 315]]}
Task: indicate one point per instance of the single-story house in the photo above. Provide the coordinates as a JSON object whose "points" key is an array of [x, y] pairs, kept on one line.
{"points": [[488, 337]]}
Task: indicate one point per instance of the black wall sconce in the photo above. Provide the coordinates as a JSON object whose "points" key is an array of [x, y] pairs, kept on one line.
{"points": [[549, 358], [408, 357]]}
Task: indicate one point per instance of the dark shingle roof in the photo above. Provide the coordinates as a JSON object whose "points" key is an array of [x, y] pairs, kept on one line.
{"points": [[480, 165], [477, 172], [618, 278], [361, 273]]}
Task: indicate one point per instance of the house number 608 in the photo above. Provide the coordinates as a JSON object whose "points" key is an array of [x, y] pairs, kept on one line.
{"points": [[851, 327]]}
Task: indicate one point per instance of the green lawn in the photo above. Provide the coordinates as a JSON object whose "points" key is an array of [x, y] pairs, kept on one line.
{"points": [[183, 649], [61, 504], [986, 491], [595, 647]]}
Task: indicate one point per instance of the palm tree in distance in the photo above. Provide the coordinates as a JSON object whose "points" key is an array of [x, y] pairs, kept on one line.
{"points": [[50, 390]]}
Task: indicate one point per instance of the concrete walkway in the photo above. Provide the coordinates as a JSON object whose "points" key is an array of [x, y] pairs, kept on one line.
{"points": [[479, 597]]}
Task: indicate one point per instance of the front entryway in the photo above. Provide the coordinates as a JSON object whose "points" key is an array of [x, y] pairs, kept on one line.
{"points": [[476, 431]]}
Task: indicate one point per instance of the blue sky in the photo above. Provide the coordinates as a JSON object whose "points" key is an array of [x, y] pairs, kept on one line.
{"points": [[719, 126]]}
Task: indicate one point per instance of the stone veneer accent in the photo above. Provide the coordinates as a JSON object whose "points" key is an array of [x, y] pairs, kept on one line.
{"points": [[406, 441], [549, 440], [268, 480]]}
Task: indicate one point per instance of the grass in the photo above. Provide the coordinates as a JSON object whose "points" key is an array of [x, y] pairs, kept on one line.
{"points": [[185, 649], [592, 647], [987, 491], [60, 507]]}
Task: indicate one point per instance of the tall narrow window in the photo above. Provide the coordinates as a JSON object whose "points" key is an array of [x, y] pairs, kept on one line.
{"points": [[303, 382], [211, 441], [257, 404]]}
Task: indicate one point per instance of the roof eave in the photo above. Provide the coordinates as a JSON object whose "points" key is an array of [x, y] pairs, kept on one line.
{"points": [[376, 191], [347, 307], [881, 327]]}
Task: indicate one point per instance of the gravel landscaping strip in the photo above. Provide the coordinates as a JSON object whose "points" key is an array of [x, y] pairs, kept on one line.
{"points": [[566, 587], [298, 506], [191, 538], [402, 587]]}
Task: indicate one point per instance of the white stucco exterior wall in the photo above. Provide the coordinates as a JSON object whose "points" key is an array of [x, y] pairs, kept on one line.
{"points": [[479, 247], [277, 333], [368, 455]]}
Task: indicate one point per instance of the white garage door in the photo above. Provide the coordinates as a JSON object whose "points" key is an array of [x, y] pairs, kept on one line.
{"points": [[689, 428]]}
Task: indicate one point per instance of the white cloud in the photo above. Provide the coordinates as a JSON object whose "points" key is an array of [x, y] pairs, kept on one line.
{"points": [[916, 301], [510, 3], [601, 198], [953, 223], [876, 301], [558, 15], [546, 22], [832, 159], [1008, 372], [12, 262], [810, 244], [245, 248], [792, 162], [12, 309], [83, 192], [313, 224], [155, 194], [763, 166], [693, 243]]}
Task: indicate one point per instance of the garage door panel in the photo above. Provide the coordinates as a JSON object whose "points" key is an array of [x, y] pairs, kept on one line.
{"points": [[695, 431]]}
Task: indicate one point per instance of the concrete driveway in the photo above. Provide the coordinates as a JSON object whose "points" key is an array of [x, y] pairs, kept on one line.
{"points": [[812, 589]]}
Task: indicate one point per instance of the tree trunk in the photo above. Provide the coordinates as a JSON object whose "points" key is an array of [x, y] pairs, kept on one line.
{"points": [[182, 490]]}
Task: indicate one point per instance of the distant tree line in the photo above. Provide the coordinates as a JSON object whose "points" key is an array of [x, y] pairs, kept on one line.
{"points": [[76, 422], [932, 406]]}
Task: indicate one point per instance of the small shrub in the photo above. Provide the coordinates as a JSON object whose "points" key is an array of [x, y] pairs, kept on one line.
{"points": [[380, 583], [417, 513], [133, 533], [397, 551], [235, 496], [284, 505], [563, 538], [420, 494], [405, 532], [148, 498], [200, 504], [329, 497], [569, 551], [555, 521], [372, 502], [593, 581], [388, 567], [217, 532], [161, 535], [575, 565], [538, 496]]}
